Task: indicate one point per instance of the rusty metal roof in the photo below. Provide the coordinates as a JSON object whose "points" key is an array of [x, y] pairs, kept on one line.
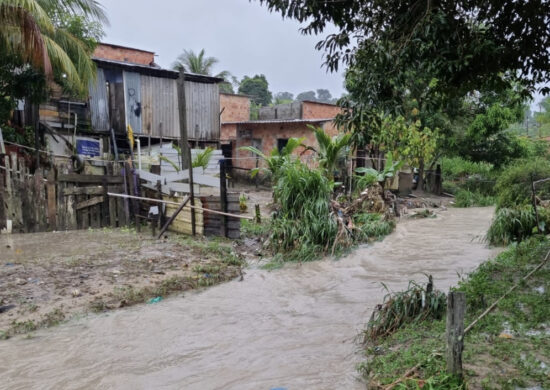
{"points": [[278, 121]]}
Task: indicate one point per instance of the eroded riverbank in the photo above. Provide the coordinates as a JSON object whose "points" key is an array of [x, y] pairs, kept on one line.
{"points": [[294, 327]]}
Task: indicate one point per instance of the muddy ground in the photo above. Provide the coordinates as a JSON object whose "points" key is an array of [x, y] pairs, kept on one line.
{"points": [[46, 278]]}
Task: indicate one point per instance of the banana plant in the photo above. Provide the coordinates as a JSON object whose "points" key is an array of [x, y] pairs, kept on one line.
{"points": [[371, 175], [331, 150]]}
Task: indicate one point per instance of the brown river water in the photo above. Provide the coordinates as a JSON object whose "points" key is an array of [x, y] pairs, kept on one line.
{"points": [[293, 328]]}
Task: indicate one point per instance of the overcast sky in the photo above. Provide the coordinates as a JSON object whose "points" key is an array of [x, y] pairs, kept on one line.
{"points": [[243, 35]]}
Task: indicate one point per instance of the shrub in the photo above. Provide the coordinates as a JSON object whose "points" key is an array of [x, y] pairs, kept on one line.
{"points": [[465, 198], [514, 184], [533, 148], [511, 225], [457, 167], [450, 187]]}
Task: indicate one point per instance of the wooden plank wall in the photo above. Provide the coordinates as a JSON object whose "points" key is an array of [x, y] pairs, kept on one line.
{"points": [[182, 223], [213, 222], [47, 201], [60, 200]]}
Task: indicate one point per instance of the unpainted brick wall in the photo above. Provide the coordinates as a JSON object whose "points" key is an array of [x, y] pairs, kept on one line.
{"points": [[228, 133], [235, 108], [312, 110], [268, 134], [115, 53]]}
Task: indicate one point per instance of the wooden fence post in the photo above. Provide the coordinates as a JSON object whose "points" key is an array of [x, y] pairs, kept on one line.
{"points": [[223, 197], [52, 200], [258, 215], [456, 307], [105, 216], [161, 219]]}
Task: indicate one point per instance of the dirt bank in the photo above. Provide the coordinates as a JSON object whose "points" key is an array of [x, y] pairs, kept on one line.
{"points": [[46, 278]]}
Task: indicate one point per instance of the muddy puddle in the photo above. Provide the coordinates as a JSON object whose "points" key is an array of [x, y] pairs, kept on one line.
{"points": [[293, 328]]}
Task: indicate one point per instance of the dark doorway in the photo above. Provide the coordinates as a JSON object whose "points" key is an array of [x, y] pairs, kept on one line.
{"points": [[281, 143]]}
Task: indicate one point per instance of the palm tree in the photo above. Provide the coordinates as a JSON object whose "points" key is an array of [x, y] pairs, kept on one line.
{"points": [[331, 151], [190, 62], [28, 33]]}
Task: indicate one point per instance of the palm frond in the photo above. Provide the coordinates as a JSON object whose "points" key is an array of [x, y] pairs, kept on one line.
{"points": [[21, 36], [79, 55], [254, 150], [91, 8], [34, 7], [291, 145], [61, 61], [203, 158]]}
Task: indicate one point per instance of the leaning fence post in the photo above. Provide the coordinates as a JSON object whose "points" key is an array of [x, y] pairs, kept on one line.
{"points": [[456, 307]]}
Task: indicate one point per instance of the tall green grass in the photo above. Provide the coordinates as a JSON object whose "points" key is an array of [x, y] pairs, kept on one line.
{"points": [[302, 226], [511, 225], [465, 198], [372, 226]]}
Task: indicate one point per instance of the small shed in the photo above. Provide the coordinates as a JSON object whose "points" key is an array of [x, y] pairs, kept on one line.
{"points": [[145, 97]]}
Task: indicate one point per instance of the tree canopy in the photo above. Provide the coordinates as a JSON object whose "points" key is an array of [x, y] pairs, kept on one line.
{"points": [[258, 88], [464, 44], [436, 67]]}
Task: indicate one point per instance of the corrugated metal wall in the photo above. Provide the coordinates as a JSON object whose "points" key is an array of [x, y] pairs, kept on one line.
{"points": [[151, 106], [159, 99], [203, 111], [132, 97], [99, 107]]}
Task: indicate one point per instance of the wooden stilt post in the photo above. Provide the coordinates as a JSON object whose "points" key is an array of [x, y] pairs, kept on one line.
{"points": [[456, 307]]}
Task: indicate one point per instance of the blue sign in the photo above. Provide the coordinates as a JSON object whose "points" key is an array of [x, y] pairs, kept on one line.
{"points": [[88, 147]]}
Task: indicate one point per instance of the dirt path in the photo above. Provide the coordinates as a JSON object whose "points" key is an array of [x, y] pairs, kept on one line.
{"points": [[293, 328]]}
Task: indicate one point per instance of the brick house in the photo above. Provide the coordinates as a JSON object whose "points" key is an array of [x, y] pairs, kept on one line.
{"points": [[272, 129]]}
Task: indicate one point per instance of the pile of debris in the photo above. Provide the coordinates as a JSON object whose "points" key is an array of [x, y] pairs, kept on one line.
{"points": [[372, 200]]}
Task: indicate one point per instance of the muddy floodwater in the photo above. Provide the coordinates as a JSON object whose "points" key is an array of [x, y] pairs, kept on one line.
{"points": [[293, 328]]}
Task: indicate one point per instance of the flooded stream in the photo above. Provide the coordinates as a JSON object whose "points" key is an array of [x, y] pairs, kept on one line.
{"points": [[293, 328]]}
